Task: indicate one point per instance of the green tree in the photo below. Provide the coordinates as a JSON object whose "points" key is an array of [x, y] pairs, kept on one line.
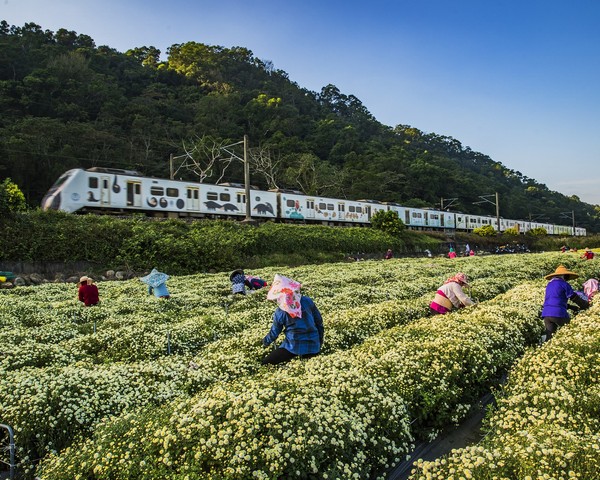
{"points": [[11, 198], [537, 232], [388, 222], [485, 231]]}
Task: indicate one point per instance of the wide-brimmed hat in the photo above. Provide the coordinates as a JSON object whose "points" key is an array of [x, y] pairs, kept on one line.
{"points": [[586, 249], [155, 278], [237, 271], [83, 279], [561, 270]]}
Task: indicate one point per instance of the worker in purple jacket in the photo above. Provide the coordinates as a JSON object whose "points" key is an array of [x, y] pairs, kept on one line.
{"points": [[558, 293]]}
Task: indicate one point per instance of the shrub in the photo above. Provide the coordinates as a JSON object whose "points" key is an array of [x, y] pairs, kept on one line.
{"points": [[485, 231], [388, 222]]}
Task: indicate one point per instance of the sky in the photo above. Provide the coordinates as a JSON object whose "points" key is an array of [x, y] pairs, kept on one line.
{"points": [[517, 80]]}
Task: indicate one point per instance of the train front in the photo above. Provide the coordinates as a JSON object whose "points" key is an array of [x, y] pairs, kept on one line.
{"points": [[58, 198]]}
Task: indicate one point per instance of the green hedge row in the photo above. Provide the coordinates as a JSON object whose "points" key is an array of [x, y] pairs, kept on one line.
{"points": [[183, 247]]}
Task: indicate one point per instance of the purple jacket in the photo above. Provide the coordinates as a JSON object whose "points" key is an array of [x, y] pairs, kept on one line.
{"points": [[558, 292]]}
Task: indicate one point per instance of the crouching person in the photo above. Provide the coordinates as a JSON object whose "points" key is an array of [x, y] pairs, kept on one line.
{"points": [[299, 319]]}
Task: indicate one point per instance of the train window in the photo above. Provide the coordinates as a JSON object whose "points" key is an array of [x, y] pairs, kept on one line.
{"points": [[322, 206], [290, 203], [330, 206], [104, 183], [157, 190], [225, 197], [351, 209], [93, 182], [212, 196], [358, 209], [172, 192]]}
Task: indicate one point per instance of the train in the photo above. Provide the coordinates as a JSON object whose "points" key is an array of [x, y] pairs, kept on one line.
{"points": [[119, 191]]}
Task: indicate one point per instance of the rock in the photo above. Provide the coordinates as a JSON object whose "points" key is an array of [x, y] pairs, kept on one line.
{"points": [[6, 285], [36, 278], [110, 274], [72, 279], [20, 282], [120, 275]]}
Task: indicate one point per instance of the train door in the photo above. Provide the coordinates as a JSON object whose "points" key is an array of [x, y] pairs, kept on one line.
{"points": [[310, 208], [341, 211], [104, 190], [134, 194], [240, 202], [367, 210], [193, 198], [407, 219]]}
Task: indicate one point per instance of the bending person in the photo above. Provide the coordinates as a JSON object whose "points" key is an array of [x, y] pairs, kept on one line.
{"points": [[558, 293], [450, 295], [300, 320]]}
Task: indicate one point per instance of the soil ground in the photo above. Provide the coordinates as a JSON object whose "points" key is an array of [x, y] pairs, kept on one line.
{"points": [[465, 434]]}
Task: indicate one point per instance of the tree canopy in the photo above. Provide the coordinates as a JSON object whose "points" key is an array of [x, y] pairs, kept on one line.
{"points": [[67, 103]]}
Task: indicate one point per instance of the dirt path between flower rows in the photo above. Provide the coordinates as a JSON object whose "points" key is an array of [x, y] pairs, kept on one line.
{"points": [[465, 434]]}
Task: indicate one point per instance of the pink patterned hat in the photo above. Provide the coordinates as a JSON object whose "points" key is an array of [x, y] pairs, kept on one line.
{"points": [[287, 294]]}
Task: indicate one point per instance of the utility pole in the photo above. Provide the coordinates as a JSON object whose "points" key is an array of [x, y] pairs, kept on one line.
{"points": [[171, 173], [449, 204], [484, 199], [572, 215], [498, 212], [247, 181]]}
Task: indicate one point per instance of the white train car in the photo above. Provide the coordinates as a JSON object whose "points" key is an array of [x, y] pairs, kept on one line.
{"points": [[110, 190], [296, 206], [126, 191]]}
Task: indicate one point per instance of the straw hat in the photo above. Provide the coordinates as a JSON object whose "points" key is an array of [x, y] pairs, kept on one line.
{"points": [[562, 271], [83, 279]]}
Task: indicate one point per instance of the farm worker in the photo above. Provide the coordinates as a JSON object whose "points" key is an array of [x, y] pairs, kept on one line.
{"points": [[471, 253], [451, 294], [451, 253], [238, 281], [254, 283], [467, 249], [88, 292], [157, 283], [299, 318], [590, 287], [588, 254], [82, 284], [389, 254], [558, 293]]}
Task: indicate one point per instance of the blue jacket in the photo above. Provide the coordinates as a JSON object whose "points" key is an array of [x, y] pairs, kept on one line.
{"points": [[160, 291], [303, 335]]}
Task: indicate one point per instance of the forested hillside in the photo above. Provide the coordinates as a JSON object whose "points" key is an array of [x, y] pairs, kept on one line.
{"points": [[66, 102]]}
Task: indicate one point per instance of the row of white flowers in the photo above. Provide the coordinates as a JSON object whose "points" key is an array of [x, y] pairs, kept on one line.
{"points": [[79, 383], [547, 423], [349, 414]]}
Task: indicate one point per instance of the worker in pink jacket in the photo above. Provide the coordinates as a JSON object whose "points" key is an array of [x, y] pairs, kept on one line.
{"points": [[450, 295]]}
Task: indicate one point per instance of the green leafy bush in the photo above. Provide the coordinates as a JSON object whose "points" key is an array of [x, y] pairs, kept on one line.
{"points": [[388, 222]]}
